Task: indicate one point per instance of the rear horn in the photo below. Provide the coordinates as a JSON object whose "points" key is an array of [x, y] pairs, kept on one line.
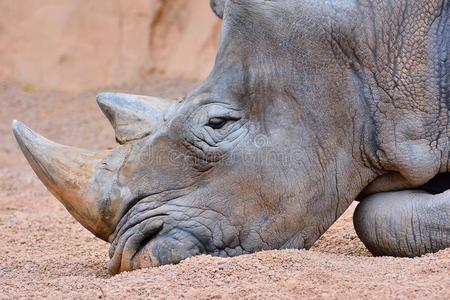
{"points": [[133, 116]]}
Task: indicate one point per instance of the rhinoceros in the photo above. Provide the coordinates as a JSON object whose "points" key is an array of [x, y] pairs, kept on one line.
{"points": [[309, 106]]}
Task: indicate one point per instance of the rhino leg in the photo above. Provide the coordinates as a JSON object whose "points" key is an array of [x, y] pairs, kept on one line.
{"points": [[406, 223]]}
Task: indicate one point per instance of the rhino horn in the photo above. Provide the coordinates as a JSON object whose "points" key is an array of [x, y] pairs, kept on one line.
{"points": [[68, 173], [133, 116]]}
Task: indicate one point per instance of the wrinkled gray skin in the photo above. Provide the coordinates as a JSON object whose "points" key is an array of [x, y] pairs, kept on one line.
{"points": [[310, 105]]}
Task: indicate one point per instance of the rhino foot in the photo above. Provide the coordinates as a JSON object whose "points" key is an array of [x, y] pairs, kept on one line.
{"points": [[406, 223]]}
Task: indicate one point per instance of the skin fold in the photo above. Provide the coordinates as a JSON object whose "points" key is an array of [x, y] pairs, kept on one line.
{"points": [[310, 105]]}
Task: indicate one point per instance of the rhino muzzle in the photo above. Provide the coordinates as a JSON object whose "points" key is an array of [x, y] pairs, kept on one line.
{"points": [[85, 181]]}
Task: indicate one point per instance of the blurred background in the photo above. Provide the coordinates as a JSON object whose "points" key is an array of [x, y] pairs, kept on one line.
{"points": [[78, 45]]}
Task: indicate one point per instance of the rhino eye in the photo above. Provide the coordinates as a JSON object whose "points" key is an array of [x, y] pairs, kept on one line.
{"points": [[216, 123]]}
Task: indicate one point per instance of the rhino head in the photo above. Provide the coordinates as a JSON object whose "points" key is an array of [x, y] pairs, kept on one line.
{"points": [[265, 154]]}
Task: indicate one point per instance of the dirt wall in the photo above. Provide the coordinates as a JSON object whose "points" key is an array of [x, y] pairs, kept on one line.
{"points": [[75, 45]]}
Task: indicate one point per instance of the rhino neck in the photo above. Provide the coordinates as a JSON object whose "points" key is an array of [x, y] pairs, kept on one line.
{"points": [[394, 52]]}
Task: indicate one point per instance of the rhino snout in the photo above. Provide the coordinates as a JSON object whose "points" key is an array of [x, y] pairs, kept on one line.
{"points": [[149, 244]]}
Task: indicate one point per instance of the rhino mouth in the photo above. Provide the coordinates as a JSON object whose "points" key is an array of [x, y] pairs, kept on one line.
{"points": [[166, 228], [150, 245], [151, 238]]}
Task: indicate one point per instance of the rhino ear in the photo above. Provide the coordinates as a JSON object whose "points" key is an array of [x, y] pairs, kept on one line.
{"points": [[133, 116], [218, 6]]}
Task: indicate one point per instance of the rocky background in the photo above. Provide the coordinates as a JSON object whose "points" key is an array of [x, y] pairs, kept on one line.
{"points": [[77, 45]]}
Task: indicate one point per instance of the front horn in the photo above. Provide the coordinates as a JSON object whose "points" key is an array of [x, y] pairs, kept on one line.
{"points": [[82, 180]]}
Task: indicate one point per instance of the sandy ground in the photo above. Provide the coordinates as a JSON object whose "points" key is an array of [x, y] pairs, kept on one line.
{"points": [[45, 253]]}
